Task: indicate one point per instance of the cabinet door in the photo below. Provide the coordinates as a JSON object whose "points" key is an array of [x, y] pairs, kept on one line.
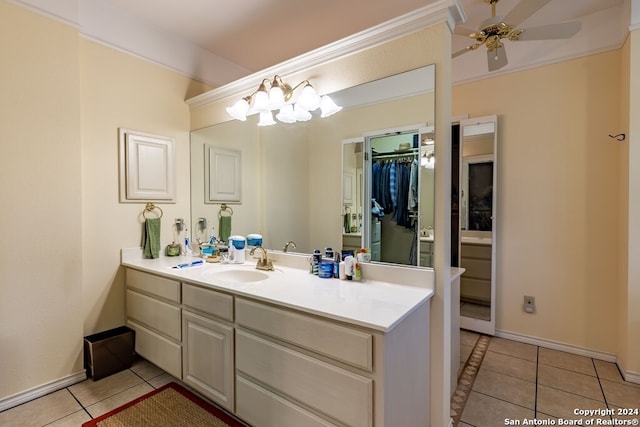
{"points": [[208, 358]]}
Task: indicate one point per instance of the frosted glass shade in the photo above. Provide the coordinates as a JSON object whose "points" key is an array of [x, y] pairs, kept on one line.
{"points": [[328, 107], [276, 98], [260, 102], [301, 114], [309, 98], [239, 110], [286, 114], [266, 119]]}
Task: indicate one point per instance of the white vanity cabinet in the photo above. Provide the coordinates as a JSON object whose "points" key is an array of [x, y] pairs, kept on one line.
{"points": [[153, 311], [208, 343], [297, 369], [277, 364]]}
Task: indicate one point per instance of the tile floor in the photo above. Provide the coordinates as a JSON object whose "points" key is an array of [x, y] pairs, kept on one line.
{"points": [[475, 311], [72, 406], [519, 381], [515, 381]]}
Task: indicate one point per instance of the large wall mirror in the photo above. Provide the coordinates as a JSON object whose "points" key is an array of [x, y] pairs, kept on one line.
{"points": [[478, 201], [299, 180]]}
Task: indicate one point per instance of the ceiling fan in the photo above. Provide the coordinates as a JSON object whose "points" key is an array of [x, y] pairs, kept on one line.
{"points": [[496, 28]]}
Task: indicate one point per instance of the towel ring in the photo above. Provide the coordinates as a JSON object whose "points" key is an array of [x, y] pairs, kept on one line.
{"points": [[225, 208], [150, 208]]}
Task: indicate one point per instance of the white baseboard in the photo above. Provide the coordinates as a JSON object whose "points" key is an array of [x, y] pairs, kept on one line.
{"points": [[556, 345], [632, 377], [41, 390]]}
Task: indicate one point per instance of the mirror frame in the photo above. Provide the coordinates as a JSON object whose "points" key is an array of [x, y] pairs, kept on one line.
{"points": [[474, 324]]}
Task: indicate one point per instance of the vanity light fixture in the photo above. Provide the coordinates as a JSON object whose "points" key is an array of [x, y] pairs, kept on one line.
{"points": [[274, 95], [428, 158]]}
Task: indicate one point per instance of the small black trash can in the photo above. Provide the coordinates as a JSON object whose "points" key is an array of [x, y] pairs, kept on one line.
{"points": [[108, 352]]}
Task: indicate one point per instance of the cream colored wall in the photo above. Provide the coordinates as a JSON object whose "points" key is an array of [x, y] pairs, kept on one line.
{"points": [[41, 258], [558, 196], [63, 99], [119, 90]]}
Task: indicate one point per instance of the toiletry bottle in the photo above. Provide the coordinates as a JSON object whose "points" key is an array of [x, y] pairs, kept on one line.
{"points": [[187, 243], [349, 267], [357, 272], [336, 266], [317, 257]]}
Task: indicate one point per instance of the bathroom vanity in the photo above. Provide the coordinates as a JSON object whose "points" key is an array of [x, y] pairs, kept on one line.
{"points": [[284, 347]]}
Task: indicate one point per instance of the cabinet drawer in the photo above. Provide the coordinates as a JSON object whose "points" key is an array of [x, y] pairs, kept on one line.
{"points": [[476, 251], [163, 317], [329, 339], [155, 285], [314, 383], [208, 301], [476, 268], [158, 350], [479, 290], [260, 407]]}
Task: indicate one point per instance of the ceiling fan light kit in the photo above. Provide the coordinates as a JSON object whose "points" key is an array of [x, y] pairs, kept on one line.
{"points": [[496, 28]]}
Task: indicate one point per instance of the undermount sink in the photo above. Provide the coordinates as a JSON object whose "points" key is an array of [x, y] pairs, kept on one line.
{"points": [[239, 275]]}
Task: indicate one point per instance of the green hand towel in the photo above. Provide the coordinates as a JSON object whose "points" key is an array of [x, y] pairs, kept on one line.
{"points": [[225, 228], [151, 238]]}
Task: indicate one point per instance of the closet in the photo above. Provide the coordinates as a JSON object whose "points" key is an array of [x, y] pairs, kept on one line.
{"points": [[398, 168]]}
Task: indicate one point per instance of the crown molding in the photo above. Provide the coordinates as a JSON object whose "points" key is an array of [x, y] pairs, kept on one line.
{"points": [[449, 11]]}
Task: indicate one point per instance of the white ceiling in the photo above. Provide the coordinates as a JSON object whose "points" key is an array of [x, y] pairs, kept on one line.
{"points": [[219, 41]]}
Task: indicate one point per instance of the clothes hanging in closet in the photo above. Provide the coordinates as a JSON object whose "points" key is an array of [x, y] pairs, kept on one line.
{"points": [[395, 188]]}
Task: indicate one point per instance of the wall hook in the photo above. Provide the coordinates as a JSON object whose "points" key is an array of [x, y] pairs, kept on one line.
{"points": [[618, 137]]}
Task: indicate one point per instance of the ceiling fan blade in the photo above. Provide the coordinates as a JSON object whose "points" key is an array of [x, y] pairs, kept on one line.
{"points": [[460, 52], [523, 10], [462, 31], [497, 58], [562, 30]]}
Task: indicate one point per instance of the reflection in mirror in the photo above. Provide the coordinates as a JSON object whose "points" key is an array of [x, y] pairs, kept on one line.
{"points": [[477, 221], [292, 176]]}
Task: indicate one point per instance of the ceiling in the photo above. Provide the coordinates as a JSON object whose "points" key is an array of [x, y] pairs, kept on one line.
{"points": [[219, 41]]}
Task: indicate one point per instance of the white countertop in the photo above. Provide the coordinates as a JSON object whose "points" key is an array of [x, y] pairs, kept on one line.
{"points": [[370, 303]]}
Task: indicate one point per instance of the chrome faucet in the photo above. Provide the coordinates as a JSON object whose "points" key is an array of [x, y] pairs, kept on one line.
{"points": [[264, 263], [289, 243]]}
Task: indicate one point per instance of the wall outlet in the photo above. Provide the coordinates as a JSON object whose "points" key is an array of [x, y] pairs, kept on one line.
{"points": [[529, 305]]}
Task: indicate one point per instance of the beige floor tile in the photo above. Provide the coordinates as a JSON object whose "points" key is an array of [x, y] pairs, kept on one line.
{"points": [[608, 371], [468, 337], [462, 424], [561, 404], [161, 380], [41, 411], [486, 411], [505, 387], [514, 348], [621, 395], [561, 359], [119, 399], [74, 420], [573, 382], [89, 392], [146, 369], [508, 365]]}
